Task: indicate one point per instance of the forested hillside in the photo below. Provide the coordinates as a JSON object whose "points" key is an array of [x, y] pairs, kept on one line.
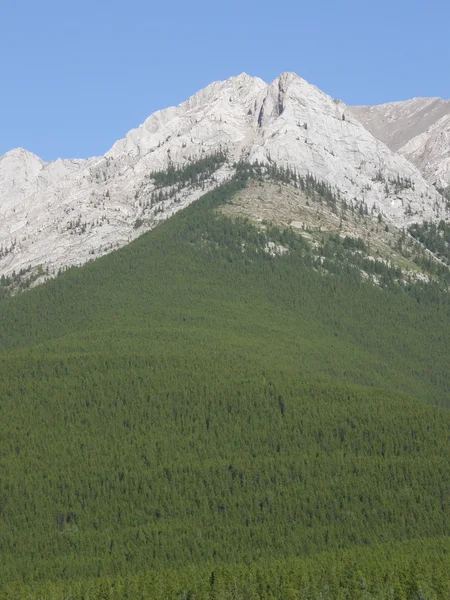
{"points": [[196, 416]]}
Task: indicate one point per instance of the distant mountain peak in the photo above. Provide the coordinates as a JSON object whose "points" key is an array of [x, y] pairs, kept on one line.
{"points": [[21, 155], [418, 129]]}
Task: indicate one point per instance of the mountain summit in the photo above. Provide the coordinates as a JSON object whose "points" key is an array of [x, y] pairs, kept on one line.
{"points": [[67, 212], [418, 129]]}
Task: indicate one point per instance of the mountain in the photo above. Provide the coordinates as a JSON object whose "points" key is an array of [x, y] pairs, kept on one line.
{"points": [[418, 129], [227, 408], [250, 400], [53, 215], [23, 173]]}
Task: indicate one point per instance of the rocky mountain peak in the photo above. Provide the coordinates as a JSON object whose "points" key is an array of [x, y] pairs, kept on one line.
{"points": [[67, 212], [418, 129]]}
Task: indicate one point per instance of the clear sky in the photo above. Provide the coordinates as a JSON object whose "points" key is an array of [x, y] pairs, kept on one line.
{"points": [[76, 75]]}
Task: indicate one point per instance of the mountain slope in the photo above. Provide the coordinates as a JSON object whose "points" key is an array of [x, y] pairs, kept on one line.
{"points": [[88, 209], [431, 153], [193, 416], [418, 129]]}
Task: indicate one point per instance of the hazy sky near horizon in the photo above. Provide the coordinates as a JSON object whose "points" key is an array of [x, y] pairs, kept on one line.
{"points": [[76, 76]]}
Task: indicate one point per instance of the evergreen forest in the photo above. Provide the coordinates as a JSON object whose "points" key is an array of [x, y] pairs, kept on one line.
{"points": [[192, 417]]}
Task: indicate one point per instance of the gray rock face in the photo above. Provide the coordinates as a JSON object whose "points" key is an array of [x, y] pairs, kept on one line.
{"points": [[418, 129], [67, 212]]}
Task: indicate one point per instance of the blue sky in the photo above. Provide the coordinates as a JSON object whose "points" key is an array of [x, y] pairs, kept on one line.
{"points": [[77, 75]]}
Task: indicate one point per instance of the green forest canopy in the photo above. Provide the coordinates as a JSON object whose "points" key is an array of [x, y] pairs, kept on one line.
{"points": [[191, 417]]}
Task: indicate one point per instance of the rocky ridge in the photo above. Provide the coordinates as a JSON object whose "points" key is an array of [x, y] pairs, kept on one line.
{"points": [[67, 212], [418, 129]]}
